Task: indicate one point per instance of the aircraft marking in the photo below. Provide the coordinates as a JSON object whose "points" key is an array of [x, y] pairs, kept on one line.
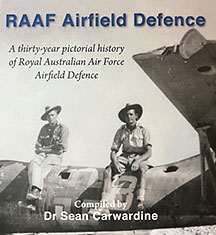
{"points": [[124, 192]]}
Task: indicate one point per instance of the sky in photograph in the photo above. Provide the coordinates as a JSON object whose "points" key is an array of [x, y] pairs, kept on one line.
{"points": [[90, 108]]}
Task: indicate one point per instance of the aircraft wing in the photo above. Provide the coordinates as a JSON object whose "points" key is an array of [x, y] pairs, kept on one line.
{"points": [[186, 74]]}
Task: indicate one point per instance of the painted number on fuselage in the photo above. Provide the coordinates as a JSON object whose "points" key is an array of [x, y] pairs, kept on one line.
{"points": [[123, 191]]}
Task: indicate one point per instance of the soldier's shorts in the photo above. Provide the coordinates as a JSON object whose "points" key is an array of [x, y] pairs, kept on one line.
{"points": [[125, 163]]}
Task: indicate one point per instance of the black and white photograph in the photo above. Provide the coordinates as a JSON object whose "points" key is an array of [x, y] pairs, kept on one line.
{"points": [[108, 118]]}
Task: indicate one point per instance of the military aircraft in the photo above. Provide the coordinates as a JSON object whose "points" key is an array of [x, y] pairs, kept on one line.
{"points": [[177, 194]]}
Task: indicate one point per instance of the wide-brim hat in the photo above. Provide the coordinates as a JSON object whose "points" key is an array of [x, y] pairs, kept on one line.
{"points": [[137, 107], [49, 109]]}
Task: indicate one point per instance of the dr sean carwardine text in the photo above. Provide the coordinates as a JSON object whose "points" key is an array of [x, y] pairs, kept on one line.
{"points": [[96, 20], [64, 216]]}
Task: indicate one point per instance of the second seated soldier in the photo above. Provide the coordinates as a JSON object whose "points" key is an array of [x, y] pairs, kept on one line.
{"points": [[136, 150], [49, 149]]}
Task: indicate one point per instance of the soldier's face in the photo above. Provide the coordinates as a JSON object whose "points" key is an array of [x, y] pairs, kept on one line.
{"points": [[131, 117], [52, 117]]}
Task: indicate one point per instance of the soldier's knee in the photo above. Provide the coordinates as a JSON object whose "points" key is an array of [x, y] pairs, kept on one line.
{"points": [[143, 168], [37, 160], [32, 162], [108, 172]]}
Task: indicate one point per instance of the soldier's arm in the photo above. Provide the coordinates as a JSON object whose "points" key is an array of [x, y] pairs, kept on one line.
{"points": [[114, 159], [147, 151], [145, 156], [114, 149], [62, 144], [140, 158], [38, 146]]}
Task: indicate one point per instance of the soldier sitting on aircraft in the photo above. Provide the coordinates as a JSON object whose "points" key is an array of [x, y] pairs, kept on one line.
{"points": [[49, 149], [136, 150]]}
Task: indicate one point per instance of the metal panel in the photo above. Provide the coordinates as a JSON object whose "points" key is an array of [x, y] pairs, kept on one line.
{"points": [[186, 74]]}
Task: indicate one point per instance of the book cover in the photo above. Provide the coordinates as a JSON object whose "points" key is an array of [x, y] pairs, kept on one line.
{"points": [[91, 59]]}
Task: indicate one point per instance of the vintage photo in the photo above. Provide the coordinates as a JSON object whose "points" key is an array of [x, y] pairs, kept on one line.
{"points": [[108, 116]]}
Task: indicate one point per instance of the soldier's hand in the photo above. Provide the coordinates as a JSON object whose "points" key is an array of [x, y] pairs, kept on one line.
{"points": [[38, 150], [135, 165], [117, 166]]}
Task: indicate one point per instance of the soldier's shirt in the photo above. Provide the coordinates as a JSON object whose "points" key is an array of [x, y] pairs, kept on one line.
{"points": [[56, 137], [132, 142]]}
